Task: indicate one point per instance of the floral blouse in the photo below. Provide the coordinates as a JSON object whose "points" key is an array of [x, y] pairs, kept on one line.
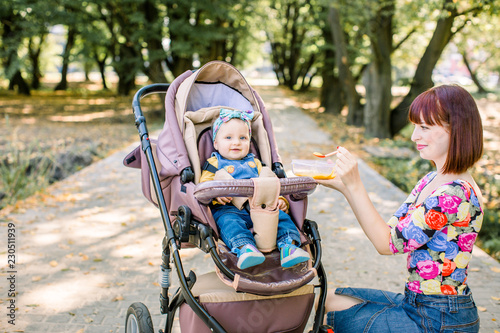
{"points": [[438, 236]]}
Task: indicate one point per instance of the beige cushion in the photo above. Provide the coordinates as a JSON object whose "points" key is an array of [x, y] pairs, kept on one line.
{"points": [[210, 289]]}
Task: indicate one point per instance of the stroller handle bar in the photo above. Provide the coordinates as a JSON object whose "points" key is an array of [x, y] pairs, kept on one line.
{"points": [[140, 121]]}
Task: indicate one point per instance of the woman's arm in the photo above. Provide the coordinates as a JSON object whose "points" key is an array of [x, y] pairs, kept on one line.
{"points": [[348, 182]]}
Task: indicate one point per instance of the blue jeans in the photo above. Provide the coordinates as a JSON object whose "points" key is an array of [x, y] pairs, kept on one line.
{"points": [[234, 226], [383, 311]]}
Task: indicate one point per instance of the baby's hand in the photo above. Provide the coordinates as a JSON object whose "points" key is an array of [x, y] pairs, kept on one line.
{"points": [[223, 200], [282, 205]]}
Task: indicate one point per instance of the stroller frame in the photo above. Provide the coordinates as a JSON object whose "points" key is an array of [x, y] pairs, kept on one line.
{"points": [[186, 229]]}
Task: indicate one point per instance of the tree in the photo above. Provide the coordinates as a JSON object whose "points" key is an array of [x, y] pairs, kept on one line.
{"points": [[443, 32], [36, 31], [34, 51], [478, 43], [473, 74], [294, 36], [153, 28], [378, 75], [70, 42], [345, 74], [331, 95], [96, 44], [123, 18], [11, 20]]}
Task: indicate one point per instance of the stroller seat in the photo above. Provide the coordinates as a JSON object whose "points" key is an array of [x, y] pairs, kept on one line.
{"points": [[221, 300], [268, 278]]}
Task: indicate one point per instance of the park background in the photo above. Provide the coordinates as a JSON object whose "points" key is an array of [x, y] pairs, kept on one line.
{"points": [[69, 69]]}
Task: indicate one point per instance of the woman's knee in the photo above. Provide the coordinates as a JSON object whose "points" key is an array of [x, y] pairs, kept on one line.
{"points": [[336, 302]]}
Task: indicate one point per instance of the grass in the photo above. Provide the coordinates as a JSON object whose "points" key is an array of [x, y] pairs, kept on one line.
{"points": [[23, 172], [405, 172], [55, 130]]}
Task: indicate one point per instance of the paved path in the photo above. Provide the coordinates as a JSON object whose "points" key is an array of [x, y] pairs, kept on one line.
{"points": [[92, 246]]}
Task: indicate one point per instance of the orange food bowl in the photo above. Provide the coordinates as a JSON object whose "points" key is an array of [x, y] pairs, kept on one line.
{"points": [[313, 168]]}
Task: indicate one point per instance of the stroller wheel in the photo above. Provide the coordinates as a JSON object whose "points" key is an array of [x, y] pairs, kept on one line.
{"points": [[138, 319]]}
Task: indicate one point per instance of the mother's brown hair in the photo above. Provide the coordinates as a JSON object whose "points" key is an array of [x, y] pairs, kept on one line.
{"points": [[452, 105]]}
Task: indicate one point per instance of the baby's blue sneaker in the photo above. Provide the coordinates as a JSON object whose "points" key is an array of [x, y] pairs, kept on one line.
{"points": [[292, 255], [249, 256]]}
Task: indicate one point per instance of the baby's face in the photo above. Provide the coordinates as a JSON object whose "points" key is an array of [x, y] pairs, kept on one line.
{"points": [[233, 139]]}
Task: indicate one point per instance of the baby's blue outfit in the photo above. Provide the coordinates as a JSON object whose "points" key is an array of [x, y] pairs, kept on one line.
{"points": [[234, 224]]}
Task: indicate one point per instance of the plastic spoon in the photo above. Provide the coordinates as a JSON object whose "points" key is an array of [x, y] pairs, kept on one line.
{"points": [[323, 156]]}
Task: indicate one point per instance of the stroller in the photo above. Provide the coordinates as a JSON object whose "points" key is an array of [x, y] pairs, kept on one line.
{"points": [[263, 298]]}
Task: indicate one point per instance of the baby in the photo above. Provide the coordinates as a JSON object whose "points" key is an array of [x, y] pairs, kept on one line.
{"points": [[231, 136]]}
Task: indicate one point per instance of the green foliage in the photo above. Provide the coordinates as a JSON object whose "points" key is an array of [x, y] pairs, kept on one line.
{"points": [[23, 172], [404, 173], [489, 236]]}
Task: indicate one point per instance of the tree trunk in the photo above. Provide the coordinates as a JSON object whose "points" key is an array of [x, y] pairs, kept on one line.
{"points": [[126, 69], [378, 76], [355, 115], [18, 80], [34, 55], [480, 88], [101, 63], [178, 16], [422, 80], [156, 53], [331, 97], [10, 41], [63, 84]]}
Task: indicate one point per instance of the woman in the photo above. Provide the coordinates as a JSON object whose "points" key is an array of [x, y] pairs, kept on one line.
{"points": [[436, 226]]}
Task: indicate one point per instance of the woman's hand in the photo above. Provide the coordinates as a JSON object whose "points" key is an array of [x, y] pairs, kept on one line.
{"points": [[348, 181], [346, 167], [346, 170], [335, 183], [223, 200]]}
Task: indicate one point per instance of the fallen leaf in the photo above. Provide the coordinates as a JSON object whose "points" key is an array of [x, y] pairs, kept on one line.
{"points": [[104, 285], [81, 330], [53, 263], [475, 269], [481, 308], [495, 269], [36, 278], [118, 298], [495, 298]]}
